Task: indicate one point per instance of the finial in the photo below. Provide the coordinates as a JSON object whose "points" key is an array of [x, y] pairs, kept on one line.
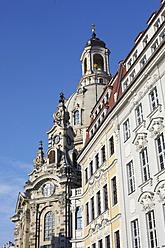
{"points": [[40, 146], [93, 31], [61, 97]]}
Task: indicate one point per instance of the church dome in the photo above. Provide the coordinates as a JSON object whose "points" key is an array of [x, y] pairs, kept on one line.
{"points": [[93, 41]]}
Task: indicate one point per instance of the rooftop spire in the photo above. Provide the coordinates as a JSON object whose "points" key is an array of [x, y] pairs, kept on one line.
{"points": [[93, 31]]}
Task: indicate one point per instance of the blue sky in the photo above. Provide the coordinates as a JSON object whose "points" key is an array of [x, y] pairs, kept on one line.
{"points": [[40, 47]]}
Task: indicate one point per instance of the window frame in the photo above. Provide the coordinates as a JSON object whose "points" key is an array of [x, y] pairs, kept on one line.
{"points": [[135, 233], [152, 229], [111, 146], [145, 170], [114, 193], [126, 130], [76, 117], [160, 155], [49, 226], [130, 178], [154, 99], [139, 114]]}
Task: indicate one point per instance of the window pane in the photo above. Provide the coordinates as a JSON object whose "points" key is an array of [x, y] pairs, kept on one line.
{"points": [[49, 226]]}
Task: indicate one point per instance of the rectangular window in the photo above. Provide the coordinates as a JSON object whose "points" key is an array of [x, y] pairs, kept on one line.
{"points": [[86, 175], [107, 241], [152, 239], [135, 234], [91, 168], [154, 98], [94, 245], [92, 208], [126, 128], [105, 197], [144, 165], [131, 177], [100, 244], [78, 218], [87, 213], [97, 161], [98, 199], [111, 146], [139, 114], [114, 191], [103, 157], [117, 239], [160, 144]]}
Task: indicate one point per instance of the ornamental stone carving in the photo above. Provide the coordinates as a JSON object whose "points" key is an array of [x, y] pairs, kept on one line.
{"points": [[147, 201], [155, 126], [73, 208], [140, 141], [138, 96], [160, 191], [91, 191]]}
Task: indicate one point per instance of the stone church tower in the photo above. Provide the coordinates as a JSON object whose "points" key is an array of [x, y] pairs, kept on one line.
{"points": [[43, 216], [43, 212], [95, 75]]}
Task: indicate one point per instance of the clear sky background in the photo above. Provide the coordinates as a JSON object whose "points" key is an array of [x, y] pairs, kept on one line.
{"points": [[41, 42]]}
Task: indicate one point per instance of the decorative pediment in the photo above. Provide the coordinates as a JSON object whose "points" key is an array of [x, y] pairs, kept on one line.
{"points": [[155, 126], [160, 190], [140, 141], [147, 200]]}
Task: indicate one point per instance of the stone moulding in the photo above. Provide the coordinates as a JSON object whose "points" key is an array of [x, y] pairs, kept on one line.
{"points": [[146, 199]]}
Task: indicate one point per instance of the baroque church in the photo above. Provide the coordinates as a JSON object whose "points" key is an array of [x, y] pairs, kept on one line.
{"points": [[102, 182]]}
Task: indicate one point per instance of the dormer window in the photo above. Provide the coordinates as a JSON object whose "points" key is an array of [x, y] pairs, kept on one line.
{"points": [[125, 85], [145, 41], [163, 16], [162, 36], [143, 61], [154, 46], [132, 76], [135, 56], [157, 24], [129, 63], [76, 117]]}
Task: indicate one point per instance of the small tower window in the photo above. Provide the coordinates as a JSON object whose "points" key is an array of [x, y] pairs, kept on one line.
{"points": [[98, 62], [49, 227], [76, 117], [85, 65], [101, 81], [52, 157]]}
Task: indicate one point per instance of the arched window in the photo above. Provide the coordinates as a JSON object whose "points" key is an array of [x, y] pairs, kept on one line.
{"points": [[101, 81], [85, 65], [49, 226], [78, 218], [76, 117], [98, 62], [52, 157]]}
